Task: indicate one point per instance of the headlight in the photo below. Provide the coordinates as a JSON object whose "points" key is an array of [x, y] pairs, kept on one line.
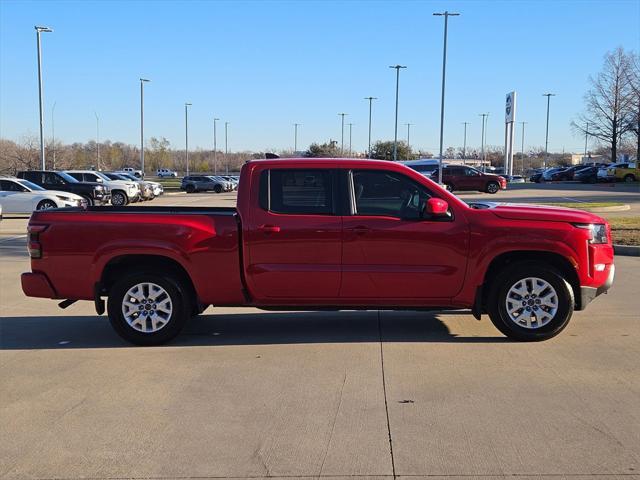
{"points": [[64, 199], [597, 232], [98, 187]]}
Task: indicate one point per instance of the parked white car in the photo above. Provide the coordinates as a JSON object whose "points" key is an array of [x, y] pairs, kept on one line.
{"points": [[122, 191], [22, 196], [157, 188], [165, 172]]}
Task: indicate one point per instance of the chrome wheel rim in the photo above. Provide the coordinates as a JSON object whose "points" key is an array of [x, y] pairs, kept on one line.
{"points": [[492, 188], [117, 199], [47, 206], [531, 303], [147, 307]]}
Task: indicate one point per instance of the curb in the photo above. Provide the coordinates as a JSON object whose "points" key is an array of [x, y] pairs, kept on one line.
{"points": [[627, 250], [616, 208]]}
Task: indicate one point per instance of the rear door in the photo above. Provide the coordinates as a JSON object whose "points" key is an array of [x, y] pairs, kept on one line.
{"points": [[294, 236], [15, 198], [393, 252]]}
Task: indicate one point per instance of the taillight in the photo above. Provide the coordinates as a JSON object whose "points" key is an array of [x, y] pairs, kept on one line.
{"points": [[34, 246]]}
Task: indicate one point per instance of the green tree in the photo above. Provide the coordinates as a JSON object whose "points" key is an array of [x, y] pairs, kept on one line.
{"points": [[383, 150], [324, 150]]}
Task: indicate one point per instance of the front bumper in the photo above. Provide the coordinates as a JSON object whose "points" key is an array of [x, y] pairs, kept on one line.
{"points": [[588, 294]]}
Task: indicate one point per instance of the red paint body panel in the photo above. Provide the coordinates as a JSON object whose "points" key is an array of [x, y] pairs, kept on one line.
{"points": [[252, 256]]}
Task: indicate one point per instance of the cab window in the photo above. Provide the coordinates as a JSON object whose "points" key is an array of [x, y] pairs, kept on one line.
{"points": [[297, 192], [391, 194]]}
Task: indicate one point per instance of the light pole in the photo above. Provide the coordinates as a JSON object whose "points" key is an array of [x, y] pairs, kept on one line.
{"points": [[446, 16], [464, 144], [53, 134], [546, 138], [522, 149], [484, 116], [295, 136], [371, 99], [586, 139], [142, 82], [342, 134], [215, 147], [350, 127], [97, 140], [186, 135], [40, 30], [395, 138], [408, 135], [226, 145]]}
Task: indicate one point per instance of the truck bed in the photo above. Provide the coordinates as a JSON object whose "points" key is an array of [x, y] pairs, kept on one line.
{"points": [[80, 245]]}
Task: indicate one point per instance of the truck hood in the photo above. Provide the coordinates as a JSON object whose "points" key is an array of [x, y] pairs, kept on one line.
{"points": [[544, 213]]}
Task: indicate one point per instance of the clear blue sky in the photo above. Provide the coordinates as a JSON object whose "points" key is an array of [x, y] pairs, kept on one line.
{"points": [[264, 65]]}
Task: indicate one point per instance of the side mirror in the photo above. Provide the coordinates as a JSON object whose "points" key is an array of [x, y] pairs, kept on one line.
{"points": [[436, 207]]}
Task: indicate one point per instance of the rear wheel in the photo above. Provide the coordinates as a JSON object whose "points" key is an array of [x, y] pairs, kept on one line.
{"points": [[629, 178], [530, 302], [46, 205], [190, 188], [493, 187], [148, 308], [119, 198]]}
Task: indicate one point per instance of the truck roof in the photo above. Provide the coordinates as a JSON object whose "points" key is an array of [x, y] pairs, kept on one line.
{"points": [[326, 162]]}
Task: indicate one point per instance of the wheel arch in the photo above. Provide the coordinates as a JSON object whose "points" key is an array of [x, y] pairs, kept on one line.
{"points": [[127, 263], [556, 260]]}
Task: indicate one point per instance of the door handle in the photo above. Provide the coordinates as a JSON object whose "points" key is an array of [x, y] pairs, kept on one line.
{"points": [[360, 230], [269, 228]]}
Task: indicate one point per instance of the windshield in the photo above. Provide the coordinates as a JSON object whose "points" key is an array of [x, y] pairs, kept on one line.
{"points": [[127, 176], [102, 176], [67, 177], [29, 185]]}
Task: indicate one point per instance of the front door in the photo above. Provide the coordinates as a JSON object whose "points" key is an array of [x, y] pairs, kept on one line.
{"points": [[391, 251], [294, 237]]}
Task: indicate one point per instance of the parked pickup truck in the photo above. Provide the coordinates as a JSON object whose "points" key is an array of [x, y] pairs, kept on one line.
{"points": [[324, 234]]}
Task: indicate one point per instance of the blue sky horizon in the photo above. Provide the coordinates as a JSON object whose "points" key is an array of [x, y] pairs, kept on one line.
{"points": [[263, 66]]}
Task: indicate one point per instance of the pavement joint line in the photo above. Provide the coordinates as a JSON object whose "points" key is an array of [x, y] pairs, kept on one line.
{"points": [[14, 237], [384, 391], [333, 426]]}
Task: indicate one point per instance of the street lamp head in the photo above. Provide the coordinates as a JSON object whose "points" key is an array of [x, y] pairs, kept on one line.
{"points": [[449, 14], [215, 119], [145, 80], [548, 94], [187, 104], [397, 66], [43, 29]]}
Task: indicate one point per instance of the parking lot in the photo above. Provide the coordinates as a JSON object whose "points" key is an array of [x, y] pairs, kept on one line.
{"points": [[372, 394]]}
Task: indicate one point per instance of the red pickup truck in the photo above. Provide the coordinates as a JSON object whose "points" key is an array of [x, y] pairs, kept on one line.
{"points": [[324, 234]]}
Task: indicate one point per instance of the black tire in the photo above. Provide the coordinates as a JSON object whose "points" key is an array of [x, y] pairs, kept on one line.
{"points": [[89, 200], [629, 178], [493, 187], [496, 301], [46, 205], [217, 188], [119, 198], [177, 293], [449, 186], [190, 188]]}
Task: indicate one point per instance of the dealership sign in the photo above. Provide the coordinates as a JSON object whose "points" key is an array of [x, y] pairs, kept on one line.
{"points": [[510, 108]]}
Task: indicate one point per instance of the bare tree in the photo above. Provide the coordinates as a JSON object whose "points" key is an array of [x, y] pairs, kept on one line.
{"points": [[608, 104], [634, 84]]}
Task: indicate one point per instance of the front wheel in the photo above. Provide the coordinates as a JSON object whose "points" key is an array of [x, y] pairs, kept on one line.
{"points": [[530, 302], [89, 200], [190, 188], [148, 308], [119, 199], [493, 187], [629, 178], [46, 205], [217, 188]]}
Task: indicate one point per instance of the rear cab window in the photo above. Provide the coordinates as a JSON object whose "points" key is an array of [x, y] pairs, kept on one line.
{"points": [[298, 191]]}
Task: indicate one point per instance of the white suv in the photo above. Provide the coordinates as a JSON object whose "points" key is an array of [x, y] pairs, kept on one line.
{"points": [[165, 172], [122, 191]]}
